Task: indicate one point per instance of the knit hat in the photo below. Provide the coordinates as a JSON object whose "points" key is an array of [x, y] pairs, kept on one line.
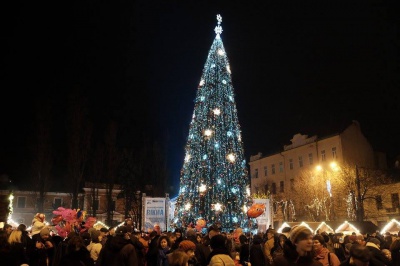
{"points": [[44, 231], [299, 232], [186, 245]]}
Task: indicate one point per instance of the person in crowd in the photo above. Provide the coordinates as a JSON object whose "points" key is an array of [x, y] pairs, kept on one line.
{"points": [[172, 239], [164, 247], [269, 244], [298, 249], [360, 240], [76, 253], [38, 223], [5, 250], [219, 255], [395, 252], [199, 238], [189, 248], [8, 229], [140, 250], [387, 254], [378, 258], [277, 250], [86, 238], [18, 250], [103, 235], [179, 238], [338, 248], [152, 253], [257, 257], [118, 250], [359, 256], [328, 241], [26, 240], [387, 241], [244, 250], [322, 254], [61, 249], [203, 250], [95, 246], [42, 251], [178, 258]]}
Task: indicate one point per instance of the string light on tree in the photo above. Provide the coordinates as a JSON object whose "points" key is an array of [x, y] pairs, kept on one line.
{"points": [[216, 171]]}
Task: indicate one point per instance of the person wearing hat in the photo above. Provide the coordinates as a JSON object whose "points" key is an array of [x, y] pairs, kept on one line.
{"points": [[298, 249], [377, 256], [118, 251], [189, 248], [95, 246], [42, 250]]}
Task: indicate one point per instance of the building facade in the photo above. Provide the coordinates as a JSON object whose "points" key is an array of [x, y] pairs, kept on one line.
{"points": [[279, 174], [25, 204]]}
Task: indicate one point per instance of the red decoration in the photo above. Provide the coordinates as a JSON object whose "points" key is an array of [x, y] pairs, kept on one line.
{"points": [[256, 210]]}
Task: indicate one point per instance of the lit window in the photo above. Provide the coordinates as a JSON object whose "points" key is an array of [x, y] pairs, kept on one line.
{"points": [[273, 169], [323, 155], [281, 167], [310, 158], [300, 161], [291, 164]]}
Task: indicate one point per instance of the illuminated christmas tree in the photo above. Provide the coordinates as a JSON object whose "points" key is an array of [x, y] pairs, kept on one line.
{"points": [[214, 178]]}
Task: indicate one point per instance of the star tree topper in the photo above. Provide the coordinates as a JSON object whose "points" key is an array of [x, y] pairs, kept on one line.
{"points": [[218, 29]]}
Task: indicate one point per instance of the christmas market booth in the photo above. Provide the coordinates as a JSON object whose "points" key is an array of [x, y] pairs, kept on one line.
{"points": [[392, 227]]}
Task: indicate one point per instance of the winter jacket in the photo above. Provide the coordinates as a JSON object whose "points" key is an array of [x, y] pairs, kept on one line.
{"points": [[269, 244], [80, 257], [118, 252], [378, 258], [94, 249], [221, 260]]}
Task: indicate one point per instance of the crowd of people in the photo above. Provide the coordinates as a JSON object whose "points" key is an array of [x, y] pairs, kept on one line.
{"points": [[124, 245]]}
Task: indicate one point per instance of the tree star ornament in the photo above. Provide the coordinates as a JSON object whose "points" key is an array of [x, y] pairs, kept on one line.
{"points": [[218, 29]]}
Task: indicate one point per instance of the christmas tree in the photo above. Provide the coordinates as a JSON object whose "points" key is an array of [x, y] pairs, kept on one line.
{"points": [[214, 178]]}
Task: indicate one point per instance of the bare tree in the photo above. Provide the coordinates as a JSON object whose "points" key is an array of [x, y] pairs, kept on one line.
{"points": [[112, 161], [79, 130], [42, 155], [360, 184], [97, 175], [132, 181]]}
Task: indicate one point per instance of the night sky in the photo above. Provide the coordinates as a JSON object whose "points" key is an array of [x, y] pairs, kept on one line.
{"points": [[304, 67]]}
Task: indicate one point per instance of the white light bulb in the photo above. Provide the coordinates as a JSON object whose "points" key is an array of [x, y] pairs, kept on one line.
{"points": [[208, 132], [217, 111], [231, 157], [221, 52]]}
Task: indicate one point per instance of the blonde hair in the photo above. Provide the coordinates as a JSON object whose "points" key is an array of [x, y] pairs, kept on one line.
{"points": [[178, 258], [15, 237]]}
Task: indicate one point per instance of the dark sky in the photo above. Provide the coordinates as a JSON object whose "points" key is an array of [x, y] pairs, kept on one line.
{"points": [[304, 67]]}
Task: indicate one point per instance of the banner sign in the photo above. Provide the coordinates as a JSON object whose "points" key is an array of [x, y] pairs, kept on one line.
{"points": [[154, 213]]}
